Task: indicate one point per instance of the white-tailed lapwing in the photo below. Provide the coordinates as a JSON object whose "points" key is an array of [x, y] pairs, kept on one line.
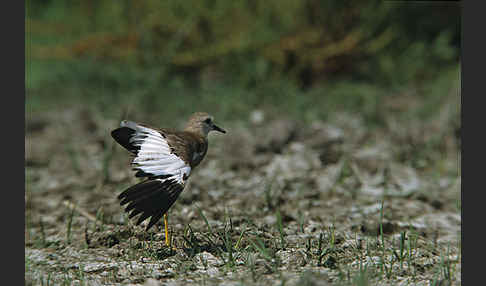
{"points": [[165, 158]]}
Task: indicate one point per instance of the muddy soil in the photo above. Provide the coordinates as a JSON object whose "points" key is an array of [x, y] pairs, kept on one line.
{"points": [[274, 201]]}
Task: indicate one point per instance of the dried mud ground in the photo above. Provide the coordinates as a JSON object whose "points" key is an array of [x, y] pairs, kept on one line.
{"points": [[275, 202]]}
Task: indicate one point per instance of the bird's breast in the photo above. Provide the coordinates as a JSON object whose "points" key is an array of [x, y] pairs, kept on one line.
{"points": [[199, 153], [197, 156]]}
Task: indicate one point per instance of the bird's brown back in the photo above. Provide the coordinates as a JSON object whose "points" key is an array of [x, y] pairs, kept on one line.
{"points": [[185, 144]]}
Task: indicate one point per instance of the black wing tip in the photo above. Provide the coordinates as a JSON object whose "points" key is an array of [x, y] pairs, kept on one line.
{"points": [[121, 132], [122, 136]]}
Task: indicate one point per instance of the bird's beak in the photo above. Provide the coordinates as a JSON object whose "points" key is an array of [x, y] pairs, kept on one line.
{"points": [[218, 129]]}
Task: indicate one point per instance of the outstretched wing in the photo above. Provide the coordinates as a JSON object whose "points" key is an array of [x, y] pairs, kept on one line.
{"points": [[153, 155], [154, 159]]}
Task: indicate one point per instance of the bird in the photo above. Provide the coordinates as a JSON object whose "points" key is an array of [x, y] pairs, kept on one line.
{"points": [[164, 158]]}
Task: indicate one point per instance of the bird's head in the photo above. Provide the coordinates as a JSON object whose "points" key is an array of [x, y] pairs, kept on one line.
{"points": [[202, 123]]}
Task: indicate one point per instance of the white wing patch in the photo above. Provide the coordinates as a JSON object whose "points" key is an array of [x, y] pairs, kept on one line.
{"points": [[154, 156]]}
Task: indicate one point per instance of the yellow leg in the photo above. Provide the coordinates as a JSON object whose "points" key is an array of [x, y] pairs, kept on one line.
{"points": [[166, 224]]}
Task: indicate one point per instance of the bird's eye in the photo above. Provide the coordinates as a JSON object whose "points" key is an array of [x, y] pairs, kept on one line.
{"points": [[208, 121]]}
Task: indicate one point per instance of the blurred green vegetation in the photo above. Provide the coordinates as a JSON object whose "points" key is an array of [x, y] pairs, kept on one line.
{"points": [[303, 58]]}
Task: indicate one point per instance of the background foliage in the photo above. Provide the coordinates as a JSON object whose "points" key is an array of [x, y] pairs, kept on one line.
{"points": [[233, 56]]}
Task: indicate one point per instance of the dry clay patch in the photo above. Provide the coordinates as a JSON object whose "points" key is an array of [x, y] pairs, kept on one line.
{"points": [[297, 204]]}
